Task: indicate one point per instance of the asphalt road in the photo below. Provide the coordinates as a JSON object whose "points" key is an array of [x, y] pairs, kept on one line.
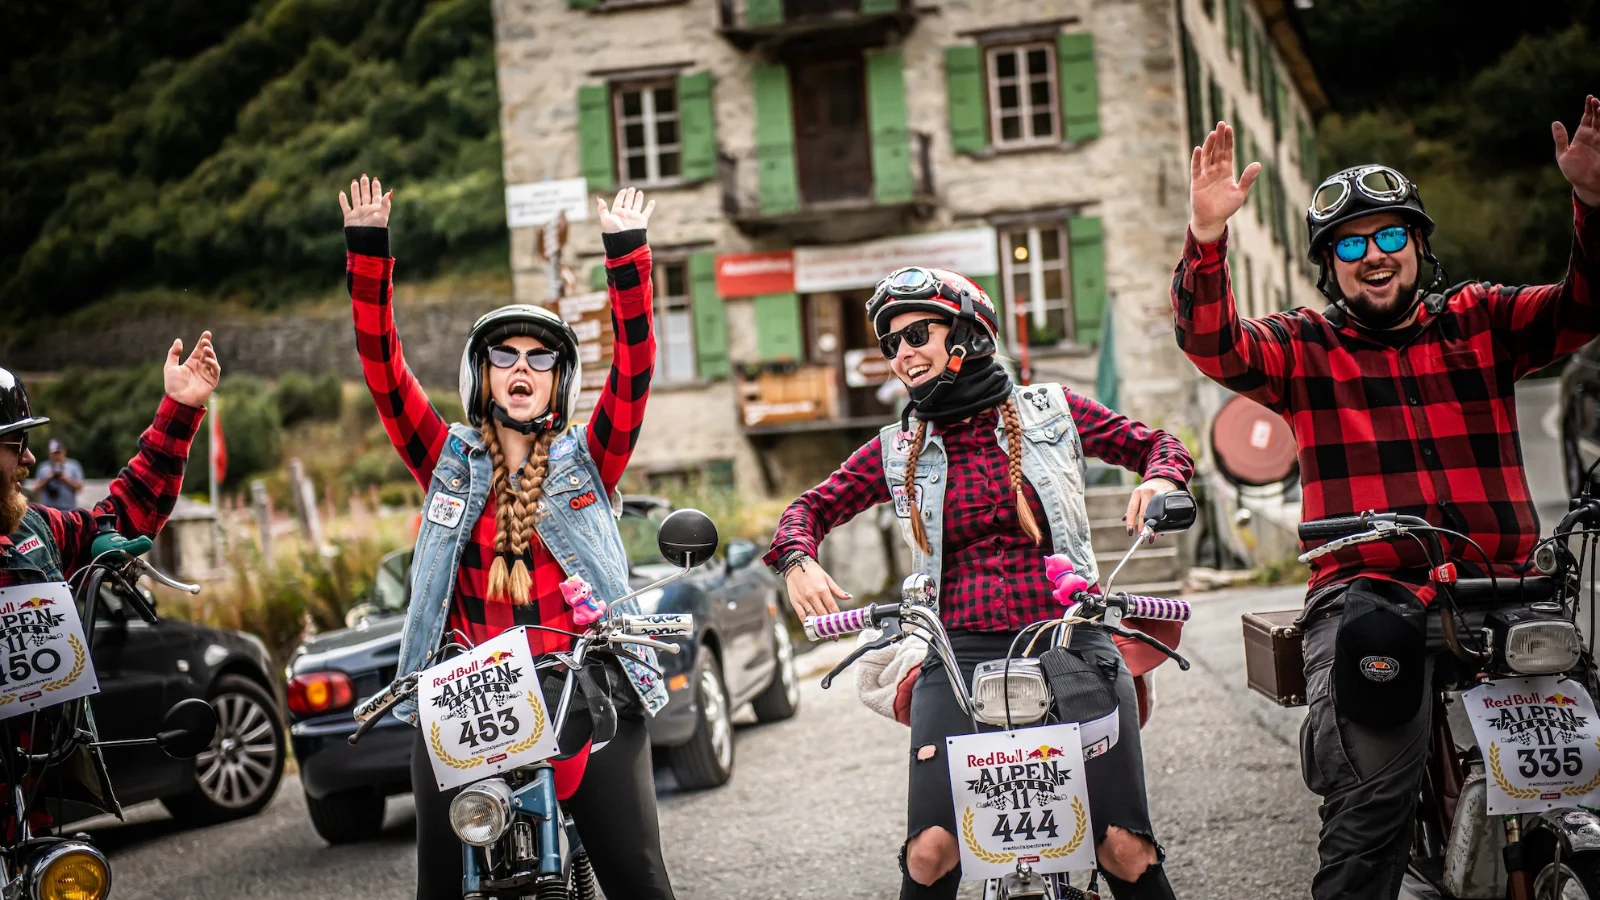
{"points": [[816, 805]]}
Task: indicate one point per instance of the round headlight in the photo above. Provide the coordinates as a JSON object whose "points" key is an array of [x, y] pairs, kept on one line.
{"points": [[71, 871], [481, 813]]}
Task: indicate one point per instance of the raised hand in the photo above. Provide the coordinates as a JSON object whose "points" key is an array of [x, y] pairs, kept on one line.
{"points": [[1213, 194], [192, 381], [367, 204], [627, 211], [1580, 159]]}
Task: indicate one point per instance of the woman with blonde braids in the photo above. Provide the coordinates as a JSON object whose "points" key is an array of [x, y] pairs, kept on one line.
{"points": [[518, 498], [988, 483]]}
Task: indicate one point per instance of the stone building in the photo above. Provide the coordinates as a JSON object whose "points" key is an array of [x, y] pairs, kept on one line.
{"points": [[799, 150]]}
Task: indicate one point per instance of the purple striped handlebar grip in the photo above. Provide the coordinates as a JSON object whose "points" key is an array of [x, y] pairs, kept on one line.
{"points": [[839, 623], [1139, 607]]}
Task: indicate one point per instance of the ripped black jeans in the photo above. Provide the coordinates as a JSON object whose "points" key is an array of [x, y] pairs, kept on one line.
{"points": [[1115, 779]]}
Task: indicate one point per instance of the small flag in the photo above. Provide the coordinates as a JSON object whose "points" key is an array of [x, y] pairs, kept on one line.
{"points": [[219, 447]]}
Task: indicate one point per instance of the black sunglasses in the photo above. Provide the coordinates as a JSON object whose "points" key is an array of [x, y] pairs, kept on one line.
{"points": [[915, 334], [540, 359]]}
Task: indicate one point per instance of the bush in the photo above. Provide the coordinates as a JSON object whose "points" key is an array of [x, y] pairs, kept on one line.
{"points": [[376, 467], [300, 399]]}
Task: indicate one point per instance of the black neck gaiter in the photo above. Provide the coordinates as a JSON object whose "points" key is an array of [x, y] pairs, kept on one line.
{"points": [[981, 384]]}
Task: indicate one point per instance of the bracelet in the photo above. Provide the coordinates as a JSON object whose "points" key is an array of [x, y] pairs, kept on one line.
{"points": [[792, 559]]}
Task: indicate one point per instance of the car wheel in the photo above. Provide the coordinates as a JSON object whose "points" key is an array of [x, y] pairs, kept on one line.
{"points": [[347, 817], [782, 697], [706, 760], [238, 774]]}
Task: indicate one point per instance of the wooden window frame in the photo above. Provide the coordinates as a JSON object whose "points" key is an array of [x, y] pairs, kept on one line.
{"points": [[685, 303], [646, 88], [1035, 266], [991, 85]]}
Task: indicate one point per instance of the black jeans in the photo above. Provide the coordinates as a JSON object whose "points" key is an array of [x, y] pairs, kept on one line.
{"points": [[1115, 779], [614, 809]]}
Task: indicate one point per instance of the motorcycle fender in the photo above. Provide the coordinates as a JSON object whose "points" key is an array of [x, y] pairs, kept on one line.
{"points": [[1577, 829]]}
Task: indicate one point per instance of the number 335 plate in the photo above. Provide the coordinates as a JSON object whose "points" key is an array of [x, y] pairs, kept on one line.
{"points": [[43, 659], [482, 712], [1540, 742]]}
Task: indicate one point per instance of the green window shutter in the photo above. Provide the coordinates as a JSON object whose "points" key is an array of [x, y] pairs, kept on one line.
{"points": [[780, 191], [582, 4], [697, 127], [778, 327], [1080, 88], [991, 286], [710, 324], [597, 277], [1086, 248], [1230, 21], [1310, 166], [963, 84], [594, 136], [763, 12], [1191, 84], [1217, 114], [1280, 109], [872, 7], [891, 139]]}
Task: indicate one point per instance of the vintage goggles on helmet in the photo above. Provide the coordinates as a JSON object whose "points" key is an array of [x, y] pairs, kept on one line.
{"points": [[913, 283], [1379, 183]]}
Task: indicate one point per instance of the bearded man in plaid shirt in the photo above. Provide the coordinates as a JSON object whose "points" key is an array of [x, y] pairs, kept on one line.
{"points": [[1401, 397]]}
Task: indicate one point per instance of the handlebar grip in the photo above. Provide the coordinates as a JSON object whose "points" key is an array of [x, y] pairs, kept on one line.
{"points": [[1332, 528], [660, 625], [1137, 606], [837, 624]]}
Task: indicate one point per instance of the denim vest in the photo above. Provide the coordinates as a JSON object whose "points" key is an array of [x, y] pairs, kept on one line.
{"points": [[1052, 461], [576, 521], [40, 561]]}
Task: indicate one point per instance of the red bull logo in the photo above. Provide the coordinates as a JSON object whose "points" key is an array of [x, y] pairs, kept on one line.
{"points": [[36, 603], [1045, 752], [497, 657], [1560, 700]]}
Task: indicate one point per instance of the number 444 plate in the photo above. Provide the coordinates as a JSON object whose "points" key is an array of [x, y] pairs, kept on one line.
{"points": [[482, 712], [1540, 742]]}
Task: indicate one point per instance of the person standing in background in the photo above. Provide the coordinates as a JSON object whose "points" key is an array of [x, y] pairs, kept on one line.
{"points": [[60, 479]]}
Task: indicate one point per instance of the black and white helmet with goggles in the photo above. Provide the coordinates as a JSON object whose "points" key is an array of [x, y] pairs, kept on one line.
{"points": [[521, 320], [1361, 191], [15, 414], [975, 327]]}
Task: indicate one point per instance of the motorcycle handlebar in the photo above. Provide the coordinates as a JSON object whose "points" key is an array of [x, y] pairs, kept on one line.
{"points": [[1138, 606], [1332, 528], [848, 621], [661, 625]]}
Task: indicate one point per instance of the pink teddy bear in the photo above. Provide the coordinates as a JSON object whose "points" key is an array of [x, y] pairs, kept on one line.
{"points": [[586, 607], [1065, 577]]}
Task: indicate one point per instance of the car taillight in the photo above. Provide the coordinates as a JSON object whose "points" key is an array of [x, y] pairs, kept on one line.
{"points": [[320, 692]]}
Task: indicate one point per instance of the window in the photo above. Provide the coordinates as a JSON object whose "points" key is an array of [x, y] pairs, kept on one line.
{"points": [[674, 323], [1022, 95], [1034, 266], [648, 146]]}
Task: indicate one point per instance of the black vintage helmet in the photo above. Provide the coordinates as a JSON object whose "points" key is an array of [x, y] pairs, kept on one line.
{"points": [[15, 415], [1363, 191], [526, 320]]}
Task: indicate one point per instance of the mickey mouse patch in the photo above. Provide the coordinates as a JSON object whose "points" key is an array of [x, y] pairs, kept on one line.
{"points": [[902, 507], [446, 510], [1040, 399], [902, 441]]}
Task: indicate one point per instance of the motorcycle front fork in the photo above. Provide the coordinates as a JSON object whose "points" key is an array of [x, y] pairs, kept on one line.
{"points": [[1445, 771]]}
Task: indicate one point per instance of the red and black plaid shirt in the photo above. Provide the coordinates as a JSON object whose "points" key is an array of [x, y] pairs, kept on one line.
{"points": [[418, 432], [1427, 428], [992, 576], [142, 495]]}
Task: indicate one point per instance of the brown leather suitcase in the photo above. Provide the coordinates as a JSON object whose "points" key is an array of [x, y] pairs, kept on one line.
{"points": [[1273, 660]]}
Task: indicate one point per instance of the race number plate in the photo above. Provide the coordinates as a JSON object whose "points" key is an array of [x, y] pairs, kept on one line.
{"points": [[1020, 796], [1540, 742], [43, 657], [482, 712]]}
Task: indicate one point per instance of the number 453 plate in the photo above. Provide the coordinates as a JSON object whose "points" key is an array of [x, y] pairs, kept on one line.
{"points": [[1540, 742], [482, 712]]}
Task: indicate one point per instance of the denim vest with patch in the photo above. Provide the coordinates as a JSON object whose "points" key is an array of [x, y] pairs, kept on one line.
{"points": [[34, 556], [576, 521], [1052, 461]]}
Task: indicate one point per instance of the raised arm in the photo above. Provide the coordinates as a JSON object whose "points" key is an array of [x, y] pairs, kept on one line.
{"points": [[1156, 456], [414, 427], [1546, 322], [1249, 357], [855, 486], [619, 412]]}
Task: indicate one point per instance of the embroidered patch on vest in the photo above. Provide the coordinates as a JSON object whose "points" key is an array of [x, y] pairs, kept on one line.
{"points": [[902, 507], [446, 510], [583, 500], [563, 447], [29, 545], [1040, 399], [902, 441]]}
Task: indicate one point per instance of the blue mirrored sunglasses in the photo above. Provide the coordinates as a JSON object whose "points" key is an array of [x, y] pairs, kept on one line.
{"points": [[1352, 247]]}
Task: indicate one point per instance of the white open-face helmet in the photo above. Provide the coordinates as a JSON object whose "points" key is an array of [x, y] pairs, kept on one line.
{"points": [[522, 319]]}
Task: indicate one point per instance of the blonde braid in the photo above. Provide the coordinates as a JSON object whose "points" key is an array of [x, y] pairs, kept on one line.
{"points": [[918, 532], [1030, 526], [524, 512], [500, 485]]}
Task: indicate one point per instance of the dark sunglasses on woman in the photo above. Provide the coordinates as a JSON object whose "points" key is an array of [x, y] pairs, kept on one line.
{"points": [[540, 359], [1352, 247], [915, 334]]}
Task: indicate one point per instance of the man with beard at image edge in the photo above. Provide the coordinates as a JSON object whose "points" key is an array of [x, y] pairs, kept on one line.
{"points": [[39, 544]]}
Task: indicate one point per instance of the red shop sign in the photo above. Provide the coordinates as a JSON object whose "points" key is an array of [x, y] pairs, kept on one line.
{"points": [[755, 274]]}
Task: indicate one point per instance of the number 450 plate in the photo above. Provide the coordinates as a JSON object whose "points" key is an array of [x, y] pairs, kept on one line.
{"points": [[482, 712], [43, 659], [1540, 742]]}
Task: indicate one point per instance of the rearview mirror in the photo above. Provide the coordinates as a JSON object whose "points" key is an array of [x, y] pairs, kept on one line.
{"points": [[687, 538], [1170, 511], [187, 728], [740, 554]]}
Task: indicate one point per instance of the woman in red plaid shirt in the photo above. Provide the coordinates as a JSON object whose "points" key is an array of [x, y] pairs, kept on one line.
{"points": [[988, 483], [519, 498]]}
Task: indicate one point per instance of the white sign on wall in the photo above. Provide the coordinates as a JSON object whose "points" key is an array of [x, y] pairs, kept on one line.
{"points": [[538, 202], [971, 251]]}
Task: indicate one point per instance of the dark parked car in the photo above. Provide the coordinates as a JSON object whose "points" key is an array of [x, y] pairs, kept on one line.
{"points": [[740, 653], [144, 670], [1580, 415]]}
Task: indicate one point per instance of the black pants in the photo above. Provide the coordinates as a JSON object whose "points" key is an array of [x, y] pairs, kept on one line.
{"points": [[1115, 779], [614, 809]]}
